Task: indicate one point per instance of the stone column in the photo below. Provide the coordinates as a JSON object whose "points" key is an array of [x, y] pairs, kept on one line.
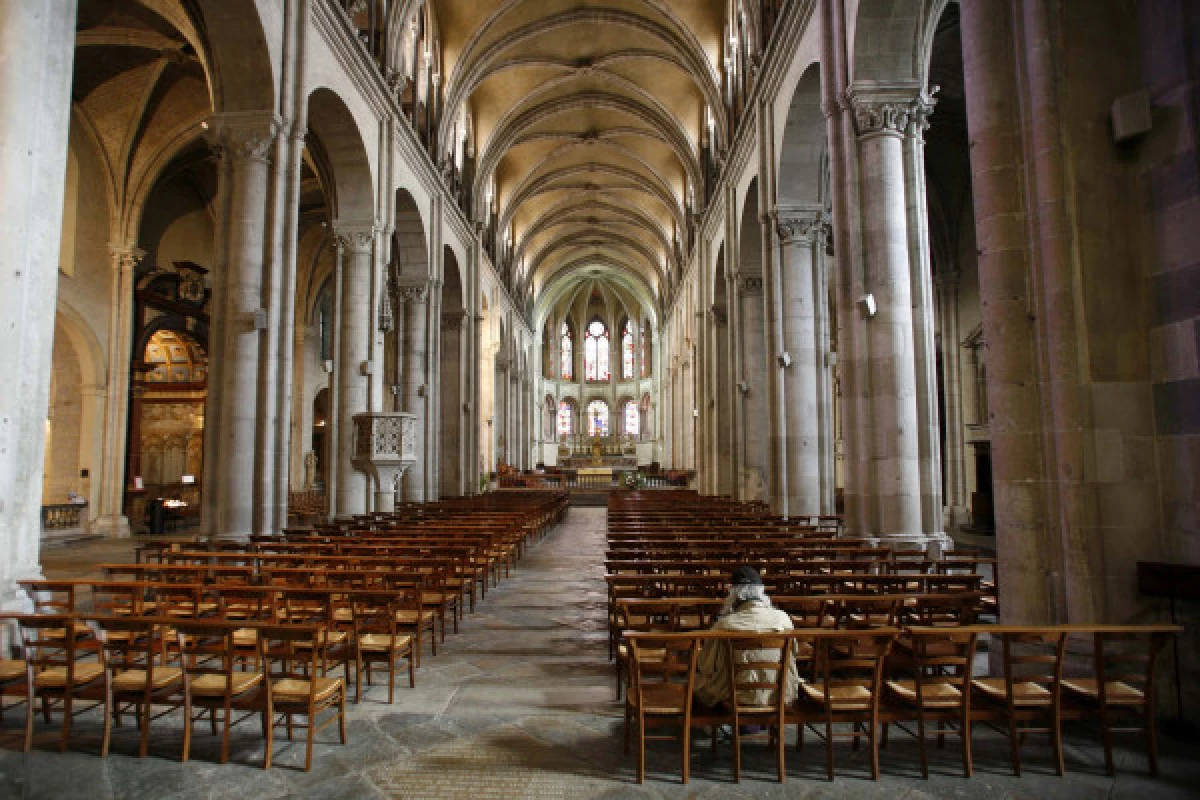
{"points": [[754, 479], [799, 233], [946, 287], [825, 364], [111, 519], [245, 139], [925, 358], [38, 43], [353, 362], [91, 452], [416, 298], [895, 490]]}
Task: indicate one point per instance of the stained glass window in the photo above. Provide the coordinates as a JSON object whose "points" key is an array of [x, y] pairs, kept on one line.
{"points": [[566, 418], [568, 352], [597, 412], [627, 352], [633, 419], [595, 352], [645, 361]]}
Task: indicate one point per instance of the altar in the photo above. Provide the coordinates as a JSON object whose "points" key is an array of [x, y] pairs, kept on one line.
{"points": [[595, 471]]}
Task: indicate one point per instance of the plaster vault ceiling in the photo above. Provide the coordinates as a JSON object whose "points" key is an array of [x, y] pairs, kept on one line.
{"points": [[589, 118]]}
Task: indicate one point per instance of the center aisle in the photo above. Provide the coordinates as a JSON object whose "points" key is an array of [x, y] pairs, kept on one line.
{"points": [[521, 702]]}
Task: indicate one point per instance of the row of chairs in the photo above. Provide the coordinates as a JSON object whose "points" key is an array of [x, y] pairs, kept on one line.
{"points": [[137, 665], [856, 684], [245, 640]]}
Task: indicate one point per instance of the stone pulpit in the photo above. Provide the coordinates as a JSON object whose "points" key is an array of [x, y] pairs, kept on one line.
{"points": [[385, 445]]}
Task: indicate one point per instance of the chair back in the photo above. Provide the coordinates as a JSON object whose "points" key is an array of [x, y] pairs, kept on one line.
{"points": [[250, 604], [1033, 657], [849, 664], [206, 648], [1126, 658], [45, 644], [181, 601], [374, 612], [866, 612], [290, 653], [662, 671], [944, 609], [942, 657], [758, 674], [132, 643], [51, 597], [648, 616]]}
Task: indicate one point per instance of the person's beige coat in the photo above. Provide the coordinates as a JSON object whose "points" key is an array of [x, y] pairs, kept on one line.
{"points": [[712, 670]]}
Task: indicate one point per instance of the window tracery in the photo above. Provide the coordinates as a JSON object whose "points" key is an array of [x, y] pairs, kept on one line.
{"points": [[595, 352]]}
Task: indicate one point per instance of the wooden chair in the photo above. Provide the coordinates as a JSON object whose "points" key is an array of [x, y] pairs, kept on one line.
{"points": [[56, 597], [938, 661], [209, 651], [417, 621], [296, 685], [251, 605], [647, 617], [319, 607], [13, 673], [54, 671], [379, 639], [1030, 691], [846, 689], [1122, 688], [662, 673], [759, 691], [138, 674]]}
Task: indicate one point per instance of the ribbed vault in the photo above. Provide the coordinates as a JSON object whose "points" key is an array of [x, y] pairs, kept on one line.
{"points": [[588, 122]]}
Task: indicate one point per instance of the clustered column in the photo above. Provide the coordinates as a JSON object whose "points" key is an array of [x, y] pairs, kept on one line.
{"points": [[946, 286]]}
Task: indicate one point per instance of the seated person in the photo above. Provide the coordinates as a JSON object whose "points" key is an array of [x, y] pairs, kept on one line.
{"points": [[747, 608]]}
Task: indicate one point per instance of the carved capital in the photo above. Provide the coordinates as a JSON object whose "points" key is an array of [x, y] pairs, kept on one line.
{"points": [[879, 118], [919, 112], [454, 320], [244, 135], [126, 257], [413, 292], [356, 239], [800, 225], [750, 284]]}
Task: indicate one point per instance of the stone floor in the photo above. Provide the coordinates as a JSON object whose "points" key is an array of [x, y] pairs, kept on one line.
{"points": [[520, 704]]}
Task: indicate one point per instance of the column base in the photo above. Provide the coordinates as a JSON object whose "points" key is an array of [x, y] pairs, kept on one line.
{"points": [[955, 517], [114, 527]]}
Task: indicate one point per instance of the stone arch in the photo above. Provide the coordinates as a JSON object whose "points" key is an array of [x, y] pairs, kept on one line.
{"points": [[410, 252], [452, 383], [349, 188], [802, 155], [242, 75], [75, 434], [892, 40]]}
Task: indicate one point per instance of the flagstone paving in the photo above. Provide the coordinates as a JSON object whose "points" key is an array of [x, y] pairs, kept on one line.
{"points": [[520, 704]]}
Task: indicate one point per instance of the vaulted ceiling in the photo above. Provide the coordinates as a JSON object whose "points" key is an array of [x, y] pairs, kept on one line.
{"points": [[588, 115]]}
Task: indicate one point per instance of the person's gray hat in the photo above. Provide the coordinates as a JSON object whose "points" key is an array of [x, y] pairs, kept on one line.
{"points": [[746, 576]]}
